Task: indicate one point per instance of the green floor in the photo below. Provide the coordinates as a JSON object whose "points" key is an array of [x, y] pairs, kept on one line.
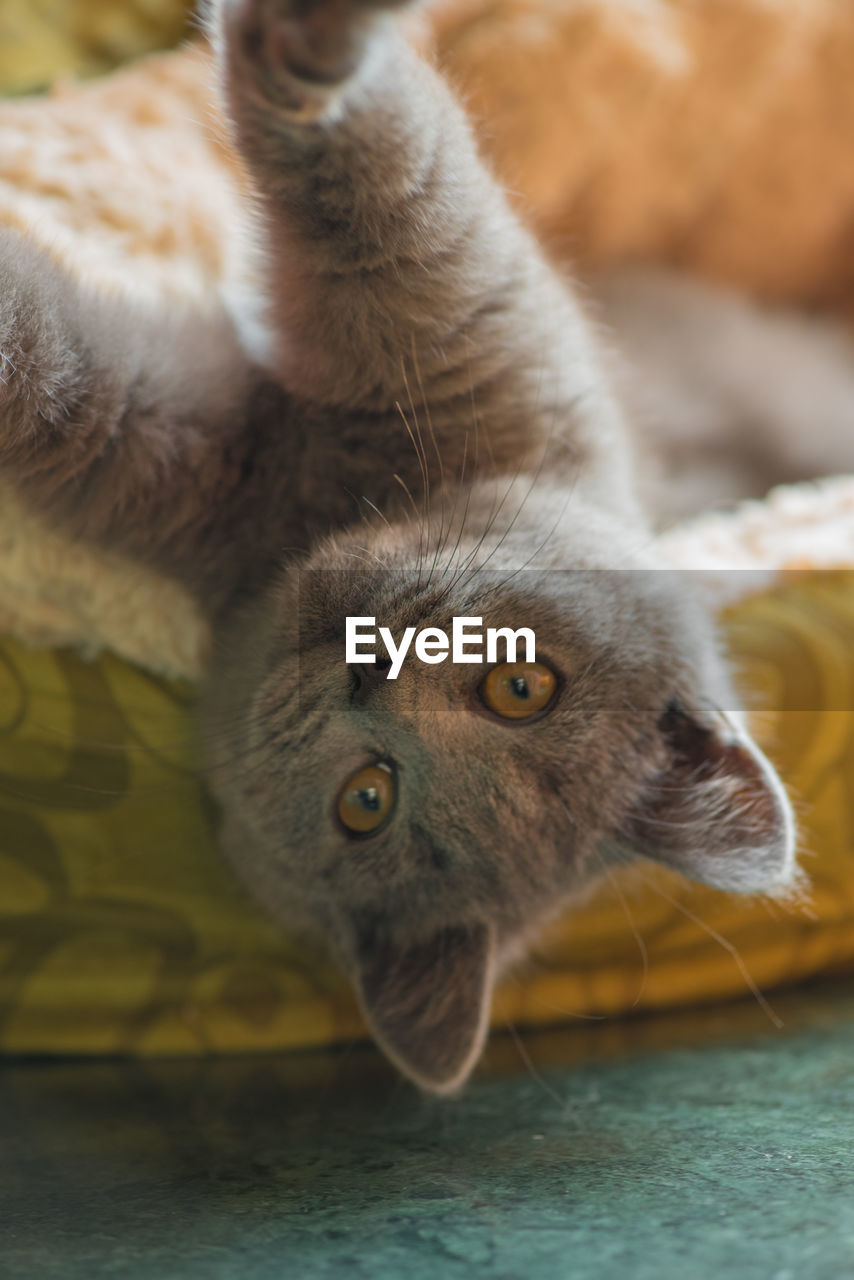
{"points": [[701, 1145]]}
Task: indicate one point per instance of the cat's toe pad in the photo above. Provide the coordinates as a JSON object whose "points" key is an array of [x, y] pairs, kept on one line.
{"points": [[295, 53]]}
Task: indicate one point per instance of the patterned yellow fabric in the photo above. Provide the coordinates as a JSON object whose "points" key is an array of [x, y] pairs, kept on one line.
{"points": [[43, 39], [120, 929]]}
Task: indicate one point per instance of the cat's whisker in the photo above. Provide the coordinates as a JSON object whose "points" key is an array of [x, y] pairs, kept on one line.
{"points": [[641, 944], [364, 519], [152, 749], [64, 787], [470, 557], [443, 533], [510, 526], [722, 941], [500, 585], [354, 555], [384, 564], [562, 1103], [405, 487], [496, 504], [436, 449], [466, 508], [537, 474], [375, 508], [550, 1006], [421, 452], [252, 757], [424, 484]]}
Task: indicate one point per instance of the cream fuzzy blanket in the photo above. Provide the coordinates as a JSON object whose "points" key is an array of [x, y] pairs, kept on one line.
{"points": [[716, 136]]}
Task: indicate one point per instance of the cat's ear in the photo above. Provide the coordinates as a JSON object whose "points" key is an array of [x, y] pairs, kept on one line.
{"points": [[428, 1003], [716, 811]]}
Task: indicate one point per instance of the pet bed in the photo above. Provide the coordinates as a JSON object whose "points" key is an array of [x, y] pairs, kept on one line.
{"points": [[715, 137]]}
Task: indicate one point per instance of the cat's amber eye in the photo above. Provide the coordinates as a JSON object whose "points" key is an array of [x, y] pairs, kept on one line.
{"points": [[367, 799], [518, 690]]}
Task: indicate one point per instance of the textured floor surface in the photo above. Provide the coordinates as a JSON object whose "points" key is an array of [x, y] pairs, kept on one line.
{"points": [[703, 1145]]}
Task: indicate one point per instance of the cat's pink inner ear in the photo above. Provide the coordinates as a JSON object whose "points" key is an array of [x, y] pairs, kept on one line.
{"points": [[717, 811], [428, 1003]]}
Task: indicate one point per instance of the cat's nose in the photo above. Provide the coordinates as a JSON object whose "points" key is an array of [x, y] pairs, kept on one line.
{"points": [[367, 676]]}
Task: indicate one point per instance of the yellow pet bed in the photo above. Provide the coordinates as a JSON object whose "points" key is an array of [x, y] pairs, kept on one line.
{"points": [[120, 929]]}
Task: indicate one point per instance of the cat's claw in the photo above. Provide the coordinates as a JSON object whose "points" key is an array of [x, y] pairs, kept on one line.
{"points": [[295, 53]]}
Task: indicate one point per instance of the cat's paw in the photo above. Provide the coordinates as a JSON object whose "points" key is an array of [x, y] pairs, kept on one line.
{"points": [[294, 54]]}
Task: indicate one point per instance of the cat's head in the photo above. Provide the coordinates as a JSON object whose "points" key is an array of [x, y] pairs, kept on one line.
{"points": [[427, 824]]}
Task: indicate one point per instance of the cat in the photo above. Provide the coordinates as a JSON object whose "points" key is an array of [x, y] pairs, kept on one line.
{"points": [[409, 419]]}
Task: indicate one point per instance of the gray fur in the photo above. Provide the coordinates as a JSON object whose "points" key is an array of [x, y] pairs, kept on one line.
{"points": [[430, 435]]}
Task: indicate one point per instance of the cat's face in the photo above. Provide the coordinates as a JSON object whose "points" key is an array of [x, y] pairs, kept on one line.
{"points": [[427, 824]]}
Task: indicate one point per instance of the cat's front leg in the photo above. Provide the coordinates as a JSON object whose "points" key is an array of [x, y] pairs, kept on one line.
{"points": [[393, 267], [121, 422]]}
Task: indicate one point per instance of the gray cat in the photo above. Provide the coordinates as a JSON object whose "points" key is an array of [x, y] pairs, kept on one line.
{"points": [[426, 435]]}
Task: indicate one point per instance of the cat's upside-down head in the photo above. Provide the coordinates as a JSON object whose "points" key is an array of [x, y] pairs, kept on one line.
{"points": [[427, 824]]}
